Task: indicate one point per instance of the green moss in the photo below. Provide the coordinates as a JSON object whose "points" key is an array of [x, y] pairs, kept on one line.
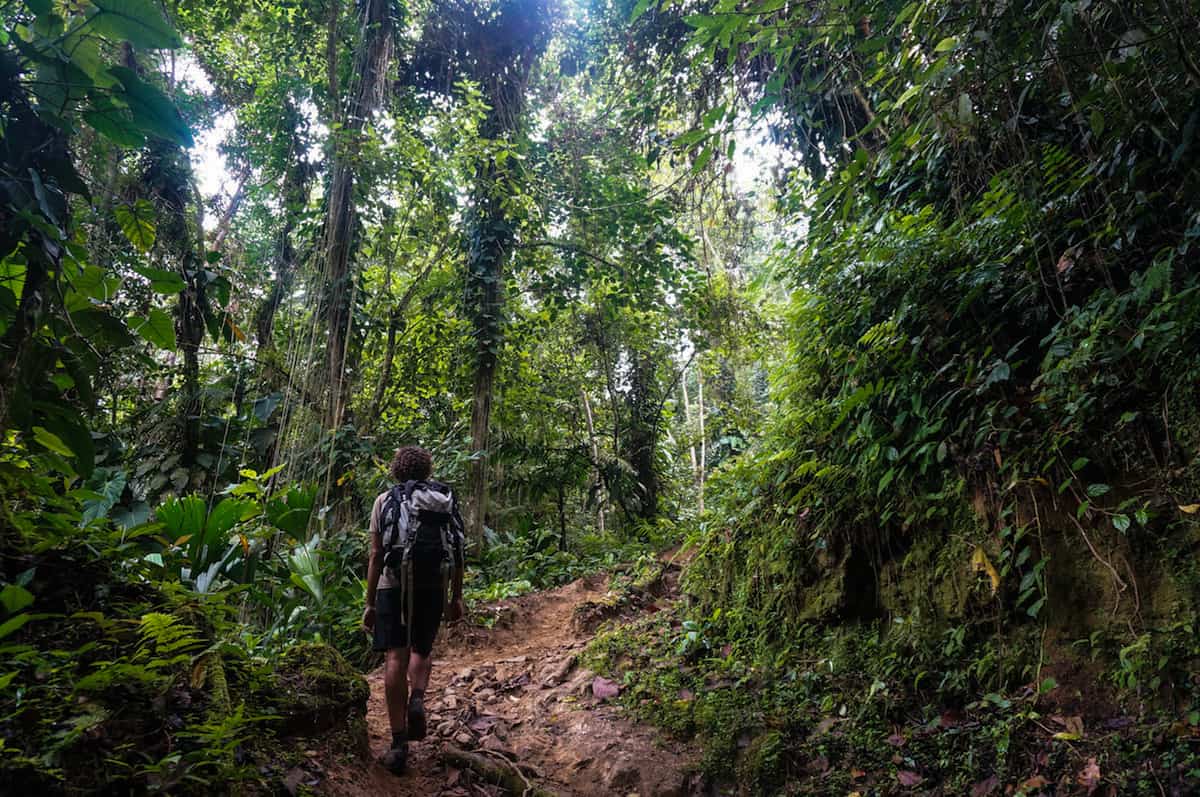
{"points": [[932, 581], [763, 764], [315, 689]]}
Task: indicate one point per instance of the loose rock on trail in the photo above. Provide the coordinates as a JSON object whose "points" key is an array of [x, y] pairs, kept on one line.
{"points": [[514, 695]]}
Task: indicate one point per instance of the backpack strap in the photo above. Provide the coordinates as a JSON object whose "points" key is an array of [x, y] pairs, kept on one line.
{"points": [[394, 517]]}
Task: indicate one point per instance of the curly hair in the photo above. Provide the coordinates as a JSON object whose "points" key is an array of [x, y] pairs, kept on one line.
{"points": [[411, 463]]}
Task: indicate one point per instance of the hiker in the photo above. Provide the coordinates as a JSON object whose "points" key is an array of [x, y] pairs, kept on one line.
{"points": [[416, 552]]}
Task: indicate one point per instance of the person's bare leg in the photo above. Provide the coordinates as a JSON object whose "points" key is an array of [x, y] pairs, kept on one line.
{"points": [[418, 674], [419, 668], [395, 687]]}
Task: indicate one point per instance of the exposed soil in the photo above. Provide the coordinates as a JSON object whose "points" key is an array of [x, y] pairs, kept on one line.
{"points": [[515, 693]]}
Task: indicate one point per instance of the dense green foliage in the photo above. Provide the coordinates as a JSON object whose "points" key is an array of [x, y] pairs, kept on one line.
{"points": [[889, 308]]}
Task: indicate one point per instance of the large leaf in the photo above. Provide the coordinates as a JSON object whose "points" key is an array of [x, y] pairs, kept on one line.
{"points": [[140, 22], [137, 222], [265, 406], [225, 516], [52, 442], [158, 328], [116, 125], [205, 547], [183, 517], [291, 512], [108, 484], [161, 280], [69, 427], [15, 598], [151, 110]]}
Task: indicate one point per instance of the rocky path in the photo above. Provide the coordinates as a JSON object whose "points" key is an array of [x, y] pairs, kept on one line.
{"points": [[515, 692]]}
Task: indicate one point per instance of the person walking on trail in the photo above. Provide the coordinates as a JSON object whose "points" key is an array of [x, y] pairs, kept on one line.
{"points": [[416, 556]]}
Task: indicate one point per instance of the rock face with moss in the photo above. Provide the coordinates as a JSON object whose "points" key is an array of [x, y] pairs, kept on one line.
{"points": [[316, 691]]}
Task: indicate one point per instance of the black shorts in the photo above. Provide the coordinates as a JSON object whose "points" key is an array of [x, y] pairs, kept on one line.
{"points": [[390, 629]]}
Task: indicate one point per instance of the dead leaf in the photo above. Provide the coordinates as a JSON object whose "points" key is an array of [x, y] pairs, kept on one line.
{"points": [[604, 689], [950, 718], [1073, 728], [1089, 776], [981, 564], [1036, 782], [483, 723], [857, 774], [986, 787], [1066, 262], [293, 779], [897, 740], [1190, 509], [825, 725], [909, 778]]}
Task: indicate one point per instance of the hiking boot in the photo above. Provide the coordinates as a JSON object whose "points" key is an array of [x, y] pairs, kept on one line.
{"points": [[396, 759], [416, 717]]}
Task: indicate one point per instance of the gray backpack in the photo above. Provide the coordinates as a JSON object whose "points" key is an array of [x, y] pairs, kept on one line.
{"points": [[420, 515]]}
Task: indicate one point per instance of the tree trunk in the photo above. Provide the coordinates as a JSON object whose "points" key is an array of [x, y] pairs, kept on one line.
{"points": [[687, 425], [599, 476], [372, 61], [509, 42], [295, 194], [703, 464], [641, 436], [235, 202], [562, 518], [491, 239]]}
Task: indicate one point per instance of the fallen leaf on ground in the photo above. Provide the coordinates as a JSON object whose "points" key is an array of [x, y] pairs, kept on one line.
{"points": [[1073, 726], [1089, 776], [985, 788], [604, 689], [1036, 782], [825, 725], [950, 718], [909, 778], [897, 740]]}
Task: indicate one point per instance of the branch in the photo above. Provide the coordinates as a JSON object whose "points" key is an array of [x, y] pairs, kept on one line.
{"points": [[507, 775], [568, 247]]}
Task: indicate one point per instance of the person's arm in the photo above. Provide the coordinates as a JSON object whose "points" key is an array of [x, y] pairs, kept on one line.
{"points": [[374, 568]]}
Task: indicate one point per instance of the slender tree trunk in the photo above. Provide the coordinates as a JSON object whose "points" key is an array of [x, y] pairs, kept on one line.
{"points": [[700, 473], [687, 415], [642, 438], [372, 61], [562, 518], [235, 202], [35, 154], [599, 476]]}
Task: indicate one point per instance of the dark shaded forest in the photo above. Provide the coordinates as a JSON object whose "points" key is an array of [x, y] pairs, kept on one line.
{"points": [[881, 318]]}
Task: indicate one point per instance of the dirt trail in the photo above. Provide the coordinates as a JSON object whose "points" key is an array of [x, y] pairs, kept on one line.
{"points": [[515, 691]]}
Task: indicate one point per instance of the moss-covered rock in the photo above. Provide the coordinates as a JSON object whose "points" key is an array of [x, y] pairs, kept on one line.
{"points": [[315, 690]]}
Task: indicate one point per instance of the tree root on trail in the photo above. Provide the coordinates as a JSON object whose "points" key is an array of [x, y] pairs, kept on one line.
{"points": [[501, 772]]}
